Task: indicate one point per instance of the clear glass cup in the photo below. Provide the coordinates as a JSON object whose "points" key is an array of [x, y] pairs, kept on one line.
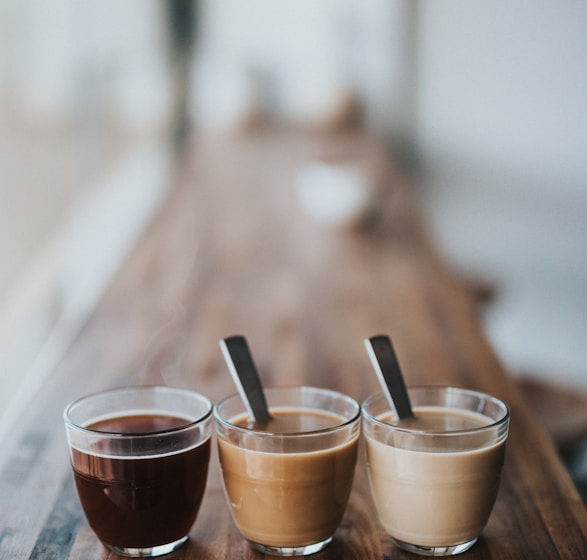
{"points": [[140, 460], [288, 483], [434, 481]]}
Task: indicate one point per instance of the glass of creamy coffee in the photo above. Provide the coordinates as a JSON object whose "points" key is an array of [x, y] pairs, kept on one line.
{"points": [[287, 481], [435, 477], [140, 460]]}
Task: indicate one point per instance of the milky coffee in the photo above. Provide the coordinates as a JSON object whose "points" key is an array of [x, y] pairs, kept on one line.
{"points": [[291, 495], [439, 493]]}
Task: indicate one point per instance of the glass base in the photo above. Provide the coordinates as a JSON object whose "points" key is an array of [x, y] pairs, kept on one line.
{"points": [[304, 550], [149, 552], [436, 550]]}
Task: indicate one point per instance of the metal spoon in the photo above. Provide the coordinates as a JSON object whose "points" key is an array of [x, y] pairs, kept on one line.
{"points": [[386, 366], [242, 368]]}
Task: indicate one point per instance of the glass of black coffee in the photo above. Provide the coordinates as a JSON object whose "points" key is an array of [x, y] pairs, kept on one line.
{"points": [[140, 460]]}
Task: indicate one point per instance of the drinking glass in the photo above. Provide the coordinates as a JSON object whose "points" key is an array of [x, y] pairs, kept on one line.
{"points": [[140, 461], [288, 482], [435, 479]]}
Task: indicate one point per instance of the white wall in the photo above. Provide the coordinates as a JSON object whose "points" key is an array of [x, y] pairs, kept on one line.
{"points": [[502, 128], [505, 83]]}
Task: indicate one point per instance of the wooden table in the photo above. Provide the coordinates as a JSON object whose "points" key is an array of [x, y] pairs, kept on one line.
{"points": [[230, 253]]}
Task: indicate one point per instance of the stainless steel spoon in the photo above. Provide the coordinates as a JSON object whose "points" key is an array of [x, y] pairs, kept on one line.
{"points": [[242, 368], [386, 366]]}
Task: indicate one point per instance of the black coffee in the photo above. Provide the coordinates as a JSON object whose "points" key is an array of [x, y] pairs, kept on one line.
{"points": [[141, 502]]}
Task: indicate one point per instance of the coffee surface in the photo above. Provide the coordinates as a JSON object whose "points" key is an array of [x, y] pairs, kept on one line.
{"points": [[289, 421], [439, 419], [138, 424], [141, 502]]}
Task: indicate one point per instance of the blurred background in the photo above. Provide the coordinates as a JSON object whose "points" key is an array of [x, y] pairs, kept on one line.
{"points": [[482, 102]]}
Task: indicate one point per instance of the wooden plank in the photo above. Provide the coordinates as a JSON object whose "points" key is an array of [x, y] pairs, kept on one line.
{"points": [[230, 253]]}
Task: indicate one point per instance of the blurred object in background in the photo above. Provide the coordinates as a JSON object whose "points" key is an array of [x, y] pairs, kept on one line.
{"points": [[181, 21], [484, 101], [340, 190], [303, 63], [563, 414]]}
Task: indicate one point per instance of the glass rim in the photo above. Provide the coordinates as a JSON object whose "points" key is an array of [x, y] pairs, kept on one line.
{"points": [[267, 433], [142, 389], [439, 433]]}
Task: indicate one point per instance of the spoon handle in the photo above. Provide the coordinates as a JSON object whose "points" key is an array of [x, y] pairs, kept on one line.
{"points": [[386, 366], [242, 368]]}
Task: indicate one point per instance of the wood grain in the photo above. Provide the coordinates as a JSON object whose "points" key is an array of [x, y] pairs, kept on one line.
{"points": [[230, 253]]}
